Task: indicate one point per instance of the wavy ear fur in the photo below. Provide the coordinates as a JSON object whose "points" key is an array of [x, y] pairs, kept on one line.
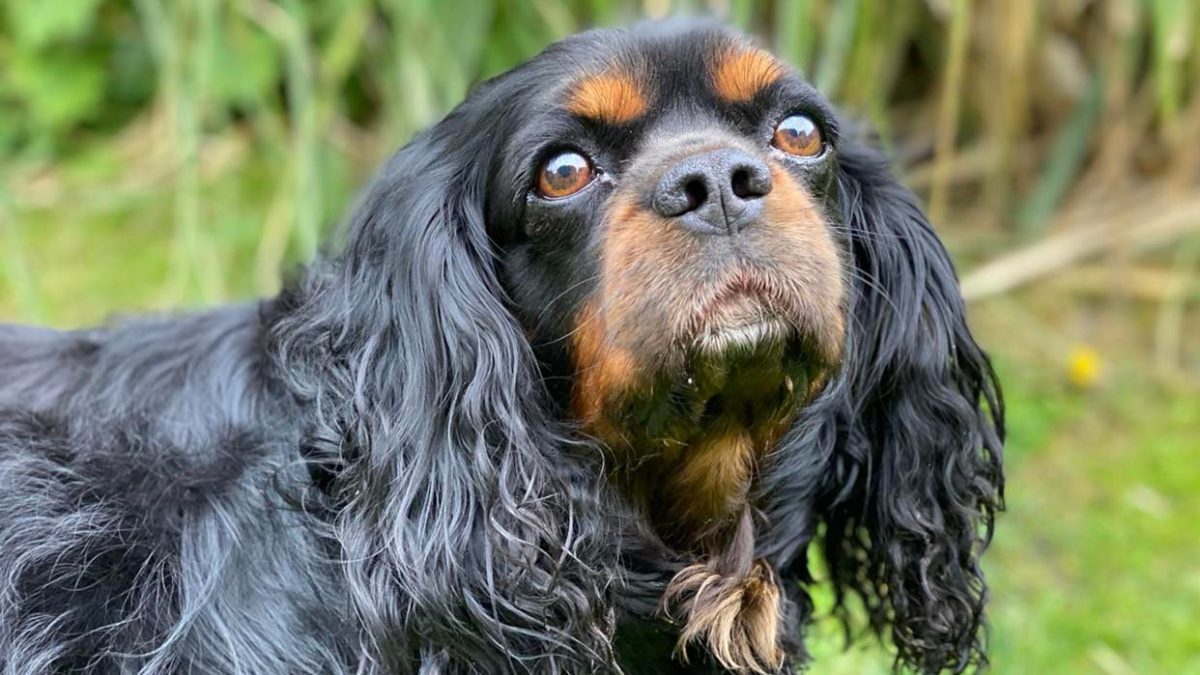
{"points": [[901, 457], [915, 485], [470, 539]]}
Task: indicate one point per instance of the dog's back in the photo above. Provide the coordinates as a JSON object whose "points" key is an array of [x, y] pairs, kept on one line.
{"points": [[143, 516], [39, 365]]}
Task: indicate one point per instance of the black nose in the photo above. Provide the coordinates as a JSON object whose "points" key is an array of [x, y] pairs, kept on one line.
{"points": [[716, 192]]}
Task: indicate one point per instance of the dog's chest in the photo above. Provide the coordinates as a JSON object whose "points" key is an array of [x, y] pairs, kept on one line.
{"points": [[689, 458]]}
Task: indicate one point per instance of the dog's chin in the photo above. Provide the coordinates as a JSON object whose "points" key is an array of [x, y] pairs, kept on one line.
{"points": [[764, 335], [745, 327], [752, 314], [748, 361], [743, 363]]}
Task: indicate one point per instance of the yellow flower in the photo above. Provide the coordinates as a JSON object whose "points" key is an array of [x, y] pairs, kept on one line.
{"points": [[1084, 366]]}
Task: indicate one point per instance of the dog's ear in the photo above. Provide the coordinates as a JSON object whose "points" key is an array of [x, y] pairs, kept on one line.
{"points": [[913, 478], [468, 533]]}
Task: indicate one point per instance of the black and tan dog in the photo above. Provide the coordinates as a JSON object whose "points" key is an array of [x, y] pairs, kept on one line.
{"points": [[602, 354]]}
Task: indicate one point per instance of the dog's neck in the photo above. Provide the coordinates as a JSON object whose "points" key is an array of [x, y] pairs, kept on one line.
{"points": [[693, 492], [687, 448], [686, 451]]}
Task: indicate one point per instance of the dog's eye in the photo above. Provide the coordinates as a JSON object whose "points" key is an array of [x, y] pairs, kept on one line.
{"points": [[564, 174], [798, 135]]}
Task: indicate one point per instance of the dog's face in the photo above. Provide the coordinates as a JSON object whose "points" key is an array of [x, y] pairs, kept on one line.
{"points": [[666, 232]]}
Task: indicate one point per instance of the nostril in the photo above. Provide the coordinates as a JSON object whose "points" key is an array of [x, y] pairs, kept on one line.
{"points": [[696, 192], [741, 184], [750, 183], [712, 187]]}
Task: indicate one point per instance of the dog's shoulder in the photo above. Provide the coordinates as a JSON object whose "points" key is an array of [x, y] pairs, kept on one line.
{"points": [[146, 467], [143, 406]]}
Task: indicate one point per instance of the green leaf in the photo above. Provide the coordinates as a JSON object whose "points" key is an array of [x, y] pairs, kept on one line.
{"points": [[247, 65], [57, 88], [35, 23]]}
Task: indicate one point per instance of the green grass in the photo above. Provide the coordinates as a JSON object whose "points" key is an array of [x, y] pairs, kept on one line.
{"points": [[1094, 566]]}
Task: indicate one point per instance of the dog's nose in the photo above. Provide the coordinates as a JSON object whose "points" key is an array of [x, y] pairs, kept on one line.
{"points": [[718, 192]]}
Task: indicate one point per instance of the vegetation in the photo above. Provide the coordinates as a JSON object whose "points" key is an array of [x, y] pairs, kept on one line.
{"points": [[158, 153]]}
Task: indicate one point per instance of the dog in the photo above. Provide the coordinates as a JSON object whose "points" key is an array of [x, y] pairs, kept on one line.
{"points": [[595, 364]]}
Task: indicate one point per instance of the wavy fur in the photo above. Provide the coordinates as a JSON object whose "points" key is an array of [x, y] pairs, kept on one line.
{"points": [[899, 461]]}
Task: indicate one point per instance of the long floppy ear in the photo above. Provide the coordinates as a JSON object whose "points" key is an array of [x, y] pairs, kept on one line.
{"points": [[469, 537], [912, 473]]}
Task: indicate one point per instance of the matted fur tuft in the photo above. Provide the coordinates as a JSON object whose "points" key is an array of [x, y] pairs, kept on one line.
{"points": [[736, 616]]}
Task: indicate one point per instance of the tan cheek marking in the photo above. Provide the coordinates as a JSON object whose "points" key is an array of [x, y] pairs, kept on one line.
{"points": [[634, 236], [739, 75], [614, 98], [642, 255], [791, 205], [603, 370]]}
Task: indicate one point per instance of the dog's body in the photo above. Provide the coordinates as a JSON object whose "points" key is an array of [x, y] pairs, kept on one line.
{"points": [[460, 445], [139, 524]]}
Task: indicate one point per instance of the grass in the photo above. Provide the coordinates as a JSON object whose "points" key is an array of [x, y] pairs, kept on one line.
{"points": [[203, 145], [1095, 568]]}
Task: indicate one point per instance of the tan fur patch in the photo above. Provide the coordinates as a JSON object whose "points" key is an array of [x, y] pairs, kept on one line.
{"points": [[739, 74], [716, 477], [736, 616], [640, 245], [611, 97], [603, 369], [790, 206]]}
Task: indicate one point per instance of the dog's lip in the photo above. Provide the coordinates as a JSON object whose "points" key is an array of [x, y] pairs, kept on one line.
{"points": [[721, 337], [742, 311], [753, 293]]}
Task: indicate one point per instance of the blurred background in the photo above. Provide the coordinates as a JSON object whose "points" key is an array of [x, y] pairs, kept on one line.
{"points": [[165, 153]]}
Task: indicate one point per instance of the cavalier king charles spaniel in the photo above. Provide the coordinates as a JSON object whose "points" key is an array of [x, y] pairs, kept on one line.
{"points": [[605, 360]]}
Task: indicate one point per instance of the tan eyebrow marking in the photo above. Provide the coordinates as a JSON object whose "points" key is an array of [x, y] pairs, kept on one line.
{"points": [[739, 74], [612, 97]]}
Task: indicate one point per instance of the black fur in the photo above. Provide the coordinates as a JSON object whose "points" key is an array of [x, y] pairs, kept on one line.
{"points": [[897, 460], [369, 472]]}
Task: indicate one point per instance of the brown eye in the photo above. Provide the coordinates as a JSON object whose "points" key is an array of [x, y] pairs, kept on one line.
{"points": [[798, 135], [563, 175]]}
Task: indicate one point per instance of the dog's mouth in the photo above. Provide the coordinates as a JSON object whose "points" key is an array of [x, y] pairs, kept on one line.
{"points": [[746, 354], [747, 335], [746, 313], [740, 320]]}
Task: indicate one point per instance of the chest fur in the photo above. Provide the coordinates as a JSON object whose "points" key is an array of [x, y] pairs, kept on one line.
{"points": [[689, 459]]}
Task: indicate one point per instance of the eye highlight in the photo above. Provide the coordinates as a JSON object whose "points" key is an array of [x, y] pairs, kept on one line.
{"points": [[564, 174], [798, 135]]}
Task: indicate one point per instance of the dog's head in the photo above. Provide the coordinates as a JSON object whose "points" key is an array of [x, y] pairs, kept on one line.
{"points": [[667, 228], [663, 236]]}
